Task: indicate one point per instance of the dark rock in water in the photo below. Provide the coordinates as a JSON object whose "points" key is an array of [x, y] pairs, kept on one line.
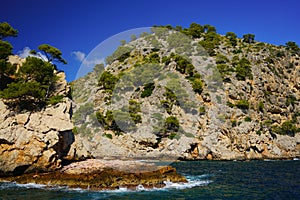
{"points": [[101, 174]]}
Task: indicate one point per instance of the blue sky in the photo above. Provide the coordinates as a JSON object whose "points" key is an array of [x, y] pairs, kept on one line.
{"points": [[79, 26]]}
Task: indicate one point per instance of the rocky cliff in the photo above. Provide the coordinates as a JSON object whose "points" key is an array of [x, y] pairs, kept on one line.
{"points": [[37, 140], [167, 95]]}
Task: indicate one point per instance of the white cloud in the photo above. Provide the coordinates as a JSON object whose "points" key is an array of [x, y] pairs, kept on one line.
{"points": [[26, 52], [93, 62], [88, 65], [87, 60], [78, 55]]}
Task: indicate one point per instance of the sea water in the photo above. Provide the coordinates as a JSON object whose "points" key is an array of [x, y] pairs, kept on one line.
{"points": [[206, 180]]}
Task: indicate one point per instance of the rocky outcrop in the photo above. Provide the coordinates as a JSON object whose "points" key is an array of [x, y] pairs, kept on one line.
{"points": [[239, 114], [101, 175], [37, 140]]}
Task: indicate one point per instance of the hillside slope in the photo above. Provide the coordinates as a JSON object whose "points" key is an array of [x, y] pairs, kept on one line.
{"points": [[190, 94]]}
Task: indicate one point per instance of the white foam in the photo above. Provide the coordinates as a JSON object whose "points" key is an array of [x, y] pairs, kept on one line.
{"points": [[5, 185], [189, 184], [32, 185], [119, 190], [193, 181]]}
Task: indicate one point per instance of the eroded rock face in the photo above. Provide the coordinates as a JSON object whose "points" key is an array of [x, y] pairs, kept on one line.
{"points": [[34, 141]]}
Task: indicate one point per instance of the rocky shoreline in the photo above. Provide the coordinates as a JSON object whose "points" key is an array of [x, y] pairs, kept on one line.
{"points": [[95, 174]]}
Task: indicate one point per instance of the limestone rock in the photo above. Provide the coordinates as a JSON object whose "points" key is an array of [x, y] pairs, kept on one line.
{"points": [[61, 86], [232, 119], [96, 174], [34, 141]]}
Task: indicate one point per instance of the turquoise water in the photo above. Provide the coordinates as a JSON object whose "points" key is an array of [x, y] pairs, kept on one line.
{"points": [[207, 180]]}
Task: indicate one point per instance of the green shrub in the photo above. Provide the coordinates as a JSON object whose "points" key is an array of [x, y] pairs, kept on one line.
{"points": [[166, 60], [232, 38], [180, 42], [242, 104], [224, 69], [261, 106], [287, 128], [120, 54], [221, 59], [268, 122], [167, 105], [295, 115], [293, 47], [75, 130], [269, 60], [147, 90], [197, 85], [195, 30], [248, 119], [107, 81], [170, 95], [108, 135], [237, 51], [55, 99], [258, 132], [243, 69], [101, 118], [202, 110], [134, 106], [153, 58], [210, 42], [137, 118], [248, 38], [280, 54], [231, 105], [290, 100], [171, 124], [107, 121], [182, 64], [172, 136], [233, 123]]}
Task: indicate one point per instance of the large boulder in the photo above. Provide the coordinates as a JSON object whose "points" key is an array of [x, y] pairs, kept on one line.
{"points": [[34, 141]]}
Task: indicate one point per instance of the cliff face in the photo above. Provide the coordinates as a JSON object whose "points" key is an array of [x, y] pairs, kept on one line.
{"points": [[167, 97], [36, 141]]}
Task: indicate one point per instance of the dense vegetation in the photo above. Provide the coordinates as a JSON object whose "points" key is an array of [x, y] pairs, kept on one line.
{"points": [[31, 85]]}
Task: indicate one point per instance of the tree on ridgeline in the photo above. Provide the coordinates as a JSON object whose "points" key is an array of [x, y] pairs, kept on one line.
{"points": [[232, 38], [248, 38], [6, 69], [293, 47], [32, 85], [133, 37], [7, 31], [209, 29], [195, 30], [51, 53]]}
